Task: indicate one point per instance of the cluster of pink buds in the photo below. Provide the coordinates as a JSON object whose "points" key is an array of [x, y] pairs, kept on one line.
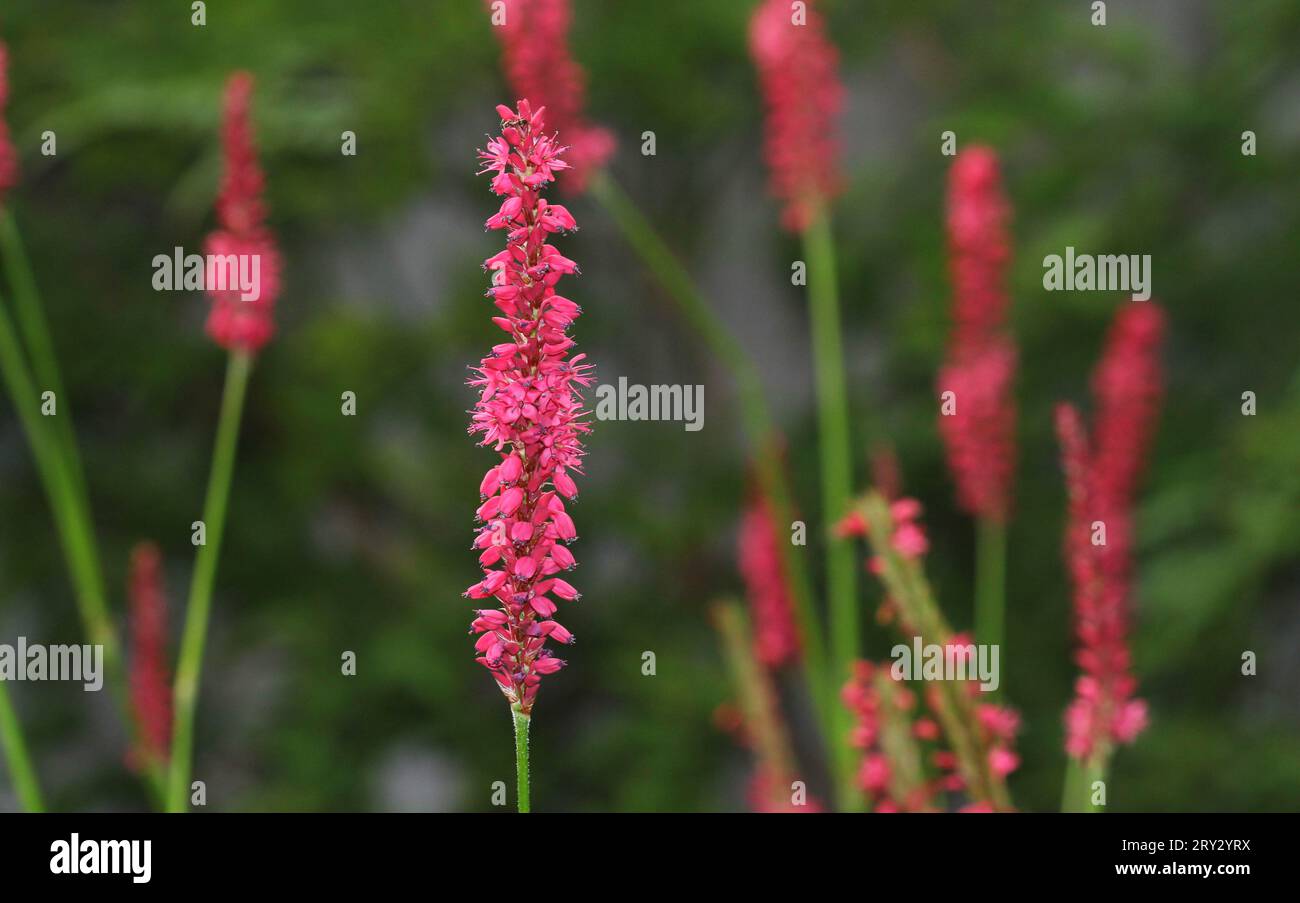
{"points": [[979, 431], [912, 773], [8, 156], [1101, 477], [234, 322], [997, 724], [908, 538], [538, 65], [862, 697], [151, 692], [530, 412], [776, 638], [799, 77]]}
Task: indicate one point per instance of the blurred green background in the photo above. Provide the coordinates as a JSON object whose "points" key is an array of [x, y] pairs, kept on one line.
{"points": [[354, 533]]}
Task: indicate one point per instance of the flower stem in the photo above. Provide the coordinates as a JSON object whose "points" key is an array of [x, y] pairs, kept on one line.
{"points": [[1076, 795], [836, 472], [757, 420], [189, 664], [21, 771], [40, 347], [757, 698], [54, 446], [990, 582], [521, 756]]}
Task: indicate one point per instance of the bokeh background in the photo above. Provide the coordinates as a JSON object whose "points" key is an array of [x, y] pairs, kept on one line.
{"points": [[353, 533]]}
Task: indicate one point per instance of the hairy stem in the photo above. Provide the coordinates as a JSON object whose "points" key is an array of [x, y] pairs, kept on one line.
{"points": [[521, 756], [189, 665]]}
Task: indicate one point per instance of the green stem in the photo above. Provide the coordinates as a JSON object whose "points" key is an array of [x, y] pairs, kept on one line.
{"points": [[1076, 796], [755, 694], [757, 419], [836, 469], [990, 583], [189, 664], [15, 749], [521, 756], [59, 464], [35, 331]]}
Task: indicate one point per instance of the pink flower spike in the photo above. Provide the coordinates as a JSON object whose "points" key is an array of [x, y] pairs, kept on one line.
{"points": [[530, 411], [978, 418], [151, 691], [776, 637], [538, 65], [1101, 473], [236, 322], [8, 156], [802, 95]]}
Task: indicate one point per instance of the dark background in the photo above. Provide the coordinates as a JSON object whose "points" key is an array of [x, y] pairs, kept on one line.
{"points": [[354, 533]]}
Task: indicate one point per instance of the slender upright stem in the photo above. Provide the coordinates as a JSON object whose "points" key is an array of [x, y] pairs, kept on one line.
{"points": [[71, 519], [836, 471], [58, 464], [30, 314], [1076, 796], [21, 771], [990, 582], [521, 756], [189, 665], [757, 419]]}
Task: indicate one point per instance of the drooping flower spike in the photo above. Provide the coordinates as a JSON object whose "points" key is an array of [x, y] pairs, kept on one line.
{"points": [[237, 323], [802, 94], [1101, 475], [530, 413], [538, 65], [979, 430], [151, 691], [8, 156]]}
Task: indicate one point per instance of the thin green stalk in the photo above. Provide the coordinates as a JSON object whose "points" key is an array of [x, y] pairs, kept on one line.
{"points": [[51, 466], [836, 469], [755, 693], [665, 266], [30, 314], [189, 664], [21, 771], [58, 467], [990, 582], [1076, 796], [521, 756]]}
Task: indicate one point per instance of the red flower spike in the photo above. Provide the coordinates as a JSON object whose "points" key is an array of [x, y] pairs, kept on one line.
{"points": [[237, 323], [538, 65], [530, 412], [1101, 476], [803, 96]]}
